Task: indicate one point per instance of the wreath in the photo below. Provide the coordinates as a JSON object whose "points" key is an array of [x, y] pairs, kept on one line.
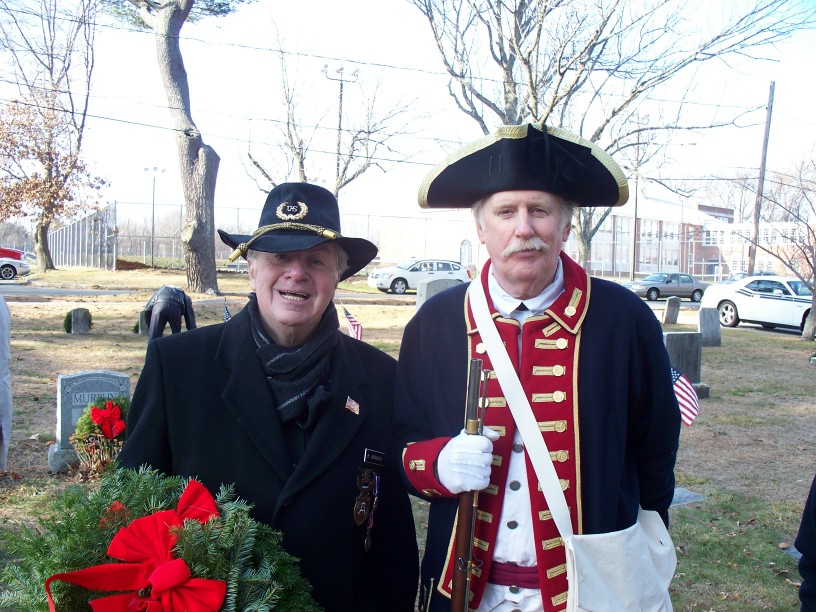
{"points": [[143, 541], [100, 433]]}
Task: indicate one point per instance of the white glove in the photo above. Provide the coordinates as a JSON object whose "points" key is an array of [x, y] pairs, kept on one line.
{"points": [[464, 463]]}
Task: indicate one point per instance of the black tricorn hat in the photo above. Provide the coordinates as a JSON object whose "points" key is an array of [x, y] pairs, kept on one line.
{"points": [[296, 217], [526, 157]]}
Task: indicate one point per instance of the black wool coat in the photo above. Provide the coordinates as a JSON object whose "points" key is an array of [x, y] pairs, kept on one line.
{"points": [[203, 407]]}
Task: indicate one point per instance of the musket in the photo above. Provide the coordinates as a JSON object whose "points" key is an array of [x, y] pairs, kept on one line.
{"points": [[464, 563]]}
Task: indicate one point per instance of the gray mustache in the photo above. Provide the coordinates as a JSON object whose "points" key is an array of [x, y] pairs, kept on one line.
{"points": [[530, 244]]}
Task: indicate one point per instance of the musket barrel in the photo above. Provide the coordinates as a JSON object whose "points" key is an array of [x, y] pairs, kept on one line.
{"points": [[463, 562]]}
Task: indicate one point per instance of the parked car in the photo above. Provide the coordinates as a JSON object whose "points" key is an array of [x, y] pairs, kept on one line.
{"points": [[13, 263], [770, 301], [740, 275], [408, 274], [668, 284]]}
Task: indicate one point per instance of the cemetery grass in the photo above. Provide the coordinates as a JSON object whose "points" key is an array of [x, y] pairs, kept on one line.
{"points": [[750, 453]]}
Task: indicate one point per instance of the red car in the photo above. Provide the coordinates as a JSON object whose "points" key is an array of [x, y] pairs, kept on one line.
{"points": [[13, 263]]}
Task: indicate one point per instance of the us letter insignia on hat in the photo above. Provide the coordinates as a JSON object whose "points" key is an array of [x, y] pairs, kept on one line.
{"points": [[352, 406], [292, 212]]}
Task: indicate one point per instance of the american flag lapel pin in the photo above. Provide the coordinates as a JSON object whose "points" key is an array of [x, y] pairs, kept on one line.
{"points": [[352, 406]]}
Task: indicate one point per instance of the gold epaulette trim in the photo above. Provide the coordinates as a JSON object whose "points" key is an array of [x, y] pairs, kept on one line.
{"points": [[555, 396], [557, 570], [556, 426], [546, 344], [551, 329], [556, 370], [487, 517], [552, 543], [559, 456]]}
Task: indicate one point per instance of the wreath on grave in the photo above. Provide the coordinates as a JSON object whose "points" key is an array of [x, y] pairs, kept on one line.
{"points": [[100, 433], [143, 541]]}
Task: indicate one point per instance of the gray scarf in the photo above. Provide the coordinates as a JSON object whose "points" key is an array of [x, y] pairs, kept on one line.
{"points": [[298, 375]]}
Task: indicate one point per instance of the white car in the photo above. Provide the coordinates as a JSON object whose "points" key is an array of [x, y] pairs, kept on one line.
{"points": [[408, 274], [770, 301], [13, 263]]}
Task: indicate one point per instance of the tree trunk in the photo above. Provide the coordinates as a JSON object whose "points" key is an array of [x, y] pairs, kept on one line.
{"points": [[198, 162], [41, 250]]}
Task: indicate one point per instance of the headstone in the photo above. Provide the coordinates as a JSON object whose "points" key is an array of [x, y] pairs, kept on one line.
{"points": [[684, 496], [74, 393], [144, 326], [685, 353], [672, 310], [708, 324], [428, 288], [80, 321]]}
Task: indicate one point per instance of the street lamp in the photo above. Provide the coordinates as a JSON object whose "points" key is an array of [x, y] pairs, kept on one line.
{"points": [[342, 81], [154, 171]]}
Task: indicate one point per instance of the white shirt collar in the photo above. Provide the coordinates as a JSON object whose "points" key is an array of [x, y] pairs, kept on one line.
{"points": [[507, 304]]}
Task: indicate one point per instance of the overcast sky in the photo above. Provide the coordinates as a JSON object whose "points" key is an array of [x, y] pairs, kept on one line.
{"points": [[231, 68]]}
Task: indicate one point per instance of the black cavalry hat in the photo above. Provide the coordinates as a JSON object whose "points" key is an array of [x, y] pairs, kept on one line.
{"points": [[296, 217], [526, 157]]}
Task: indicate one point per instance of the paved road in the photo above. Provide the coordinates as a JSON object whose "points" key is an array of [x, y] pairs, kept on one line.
{"points": [[12, 288]]}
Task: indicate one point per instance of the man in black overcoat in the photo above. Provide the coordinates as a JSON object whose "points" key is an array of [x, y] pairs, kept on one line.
{"points": [[295, 414], [167, 306]]}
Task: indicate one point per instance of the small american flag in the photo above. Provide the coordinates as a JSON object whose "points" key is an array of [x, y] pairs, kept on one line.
{"points": [[354, 327], [686, 397], [227, 315]]}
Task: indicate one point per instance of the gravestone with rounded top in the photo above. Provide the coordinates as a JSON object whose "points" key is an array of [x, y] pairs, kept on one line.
{"points": [[672, 310], [428, 288], [74, 393], [80, 321], [708, 324]]}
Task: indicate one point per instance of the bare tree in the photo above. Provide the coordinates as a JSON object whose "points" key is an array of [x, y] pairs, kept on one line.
{"points": [[789, 208], [198, 162], [42, 173], [595, 66], [363, 139]]}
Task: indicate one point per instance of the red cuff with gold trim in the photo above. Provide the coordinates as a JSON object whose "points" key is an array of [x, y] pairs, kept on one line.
{"points": [[418, 461]]}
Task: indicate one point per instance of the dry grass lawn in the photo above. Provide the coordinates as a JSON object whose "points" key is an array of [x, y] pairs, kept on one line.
{"points": [[753, 442]]}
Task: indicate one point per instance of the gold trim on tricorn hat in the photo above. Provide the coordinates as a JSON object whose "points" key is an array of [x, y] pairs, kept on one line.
{"points": [[526, 157], [297, 217]]}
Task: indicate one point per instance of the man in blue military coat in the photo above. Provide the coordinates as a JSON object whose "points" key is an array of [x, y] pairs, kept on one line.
{"points": [[294, 413], [589, 355]]}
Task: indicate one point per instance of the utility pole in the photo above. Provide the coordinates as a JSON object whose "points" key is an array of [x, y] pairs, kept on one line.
{"points": [[154, 171], [752, 248], [342, 81], [640, 121]]}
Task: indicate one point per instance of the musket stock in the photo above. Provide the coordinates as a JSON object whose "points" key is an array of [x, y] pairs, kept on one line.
{"points": [[468, 500]]}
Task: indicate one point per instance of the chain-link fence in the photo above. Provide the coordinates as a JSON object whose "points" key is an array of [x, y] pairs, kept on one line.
{"points": [[89, 241], [150, 233]]}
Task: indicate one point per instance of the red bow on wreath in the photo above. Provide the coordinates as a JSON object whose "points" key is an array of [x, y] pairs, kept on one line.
{"points": [[146, 546], [109, 419]]}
